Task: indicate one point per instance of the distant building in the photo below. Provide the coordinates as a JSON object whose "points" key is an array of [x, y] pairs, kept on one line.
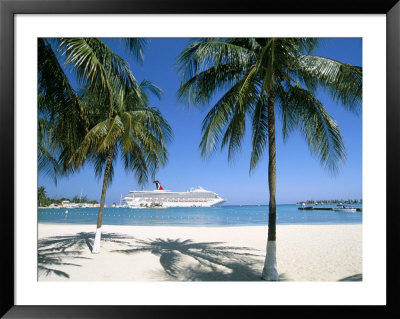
{"points": [[65, 203]]}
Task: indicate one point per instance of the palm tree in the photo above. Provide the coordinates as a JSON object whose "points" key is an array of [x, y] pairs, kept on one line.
{"points": [[94, 65], [129, 128], [110, 115], [41, 194], [257, 78]]}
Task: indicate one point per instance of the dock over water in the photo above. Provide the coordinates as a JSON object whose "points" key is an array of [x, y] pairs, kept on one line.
{"points": [[321, 208]]}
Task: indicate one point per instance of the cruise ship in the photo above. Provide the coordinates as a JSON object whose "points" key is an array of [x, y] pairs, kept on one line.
{"points": [[162, 198]]}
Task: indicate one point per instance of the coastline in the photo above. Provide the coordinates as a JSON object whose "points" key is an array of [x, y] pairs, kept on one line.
{"points": [[175, 253]]}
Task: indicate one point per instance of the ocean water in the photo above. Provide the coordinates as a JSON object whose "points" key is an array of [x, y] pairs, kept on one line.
{"points": [[210, 216]]}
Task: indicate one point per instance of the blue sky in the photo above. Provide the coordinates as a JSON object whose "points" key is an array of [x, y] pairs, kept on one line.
{"points": [[299, 174]]}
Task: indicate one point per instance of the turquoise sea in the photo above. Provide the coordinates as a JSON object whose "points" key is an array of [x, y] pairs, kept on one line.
{"points": [[210, 216]]}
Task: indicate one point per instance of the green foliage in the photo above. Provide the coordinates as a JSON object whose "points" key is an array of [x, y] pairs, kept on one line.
{"points": [[41, 195], [109, 112], [133, 130], [257, 78], [44, 201], [108, 119], [248, 72], [80, 199]]}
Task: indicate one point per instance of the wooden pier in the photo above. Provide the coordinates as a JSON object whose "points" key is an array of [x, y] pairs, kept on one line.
{"points": [[322, 208]]}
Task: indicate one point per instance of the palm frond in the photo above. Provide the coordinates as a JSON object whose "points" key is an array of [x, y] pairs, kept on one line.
{"points": [[342, 80], [135, 47], [135, 161], [259, 133], [54, 88], [320, 130], [201, 88], [215, 122], [144, 140], [96, 64], [149, 86], [93, 142], [60, 107], [203, 53], [247, 96]]}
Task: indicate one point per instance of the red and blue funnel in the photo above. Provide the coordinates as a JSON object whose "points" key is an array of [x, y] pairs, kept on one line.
{"points": [[158, 185]]}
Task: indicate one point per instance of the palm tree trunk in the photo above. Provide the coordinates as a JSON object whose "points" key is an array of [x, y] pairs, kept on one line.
{"points": [[96, 245], [270, 271]]}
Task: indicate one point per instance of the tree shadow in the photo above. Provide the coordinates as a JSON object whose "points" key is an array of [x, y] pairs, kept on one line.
{"points": [[357, 277], [66, 250], [181, 260], [201, 261]]}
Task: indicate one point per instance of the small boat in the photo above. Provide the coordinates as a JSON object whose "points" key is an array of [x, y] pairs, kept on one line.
{"points": [[304, 207], [345, 208]]}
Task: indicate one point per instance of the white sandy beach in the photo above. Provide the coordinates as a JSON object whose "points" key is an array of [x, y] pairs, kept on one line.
{"points": [[167, 253]]}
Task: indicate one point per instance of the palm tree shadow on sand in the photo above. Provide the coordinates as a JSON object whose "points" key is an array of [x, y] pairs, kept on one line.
{"points": [[185, 260], [181, 260], [357, 277], [66, 250]]}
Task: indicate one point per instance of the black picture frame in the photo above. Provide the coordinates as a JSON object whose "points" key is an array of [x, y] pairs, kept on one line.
{"points": [[9, 8]]}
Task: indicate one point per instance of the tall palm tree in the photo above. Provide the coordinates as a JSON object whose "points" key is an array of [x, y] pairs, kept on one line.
{"points": [[259, 77], [129, 128], [110, 116]]}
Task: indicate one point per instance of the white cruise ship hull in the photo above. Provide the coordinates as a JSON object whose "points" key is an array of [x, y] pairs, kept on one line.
{"points": [[164, 199], [173, 204]]}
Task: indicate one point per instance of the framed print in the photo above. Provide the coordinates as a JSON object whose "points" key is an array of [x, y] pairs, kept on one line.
{"points": [[64, 109]]}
